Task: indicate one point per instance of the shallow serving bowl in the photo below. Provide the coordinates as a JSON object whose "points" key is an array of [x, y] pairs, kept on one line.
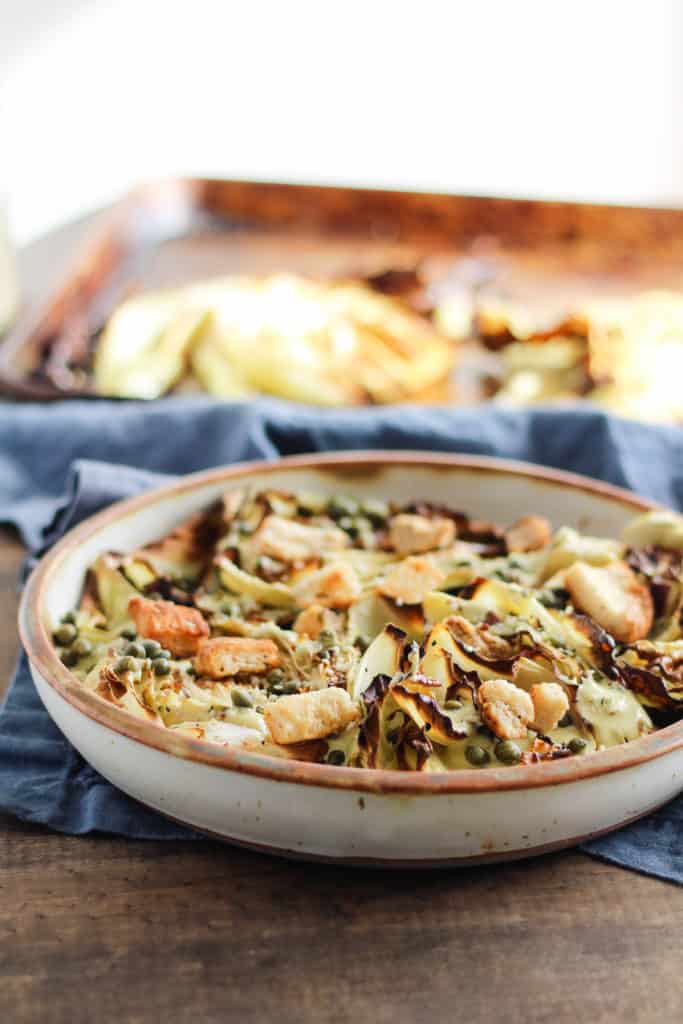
{"points": [[349, 814]]}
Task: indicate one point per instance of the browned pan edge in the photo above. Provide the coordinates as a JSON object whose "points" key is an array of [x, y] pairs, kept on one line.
{"points": [[427, 218]]}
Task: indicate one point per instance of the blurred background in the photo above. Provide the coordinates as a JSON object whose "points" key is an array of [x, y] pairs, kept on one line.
{"points": [[575, 100]]}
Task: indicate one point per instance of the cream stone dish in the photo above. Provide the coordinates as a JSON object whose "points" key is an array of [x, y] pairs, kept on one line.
{"points": [[390, 658]]}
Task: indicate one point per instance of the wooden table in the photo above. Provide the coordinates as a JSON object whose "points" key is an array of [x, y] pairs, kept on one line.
{"points": [[97, 929]]}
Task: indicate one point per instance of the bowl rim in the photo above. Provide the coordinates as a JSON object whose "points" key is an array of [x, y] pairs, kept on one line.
{"points": [[43, 659]]}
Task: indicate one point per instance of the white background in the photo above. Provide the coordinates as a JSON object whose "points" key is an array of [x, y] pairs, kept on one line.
{"points": [[564, 98]]}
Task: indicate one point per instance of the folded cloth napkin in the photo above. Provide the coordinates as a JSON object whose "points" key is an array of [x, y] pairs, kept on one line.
{"points": [[46, 486]]}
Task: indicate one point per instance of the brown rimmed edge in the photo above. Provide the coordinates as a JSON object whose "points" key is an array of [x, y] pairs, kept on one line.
{"points": [[42, 655]]}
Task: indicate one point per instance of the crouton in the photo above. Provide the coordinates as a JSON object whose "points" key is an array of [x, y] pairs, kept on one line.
{"points": [[550, 705], [334, 586], [410, 534], [173, 625], [505, 708], [528, 534], [225, 656], [613, 596], [411, 580], [310, 716], [292, 542], [312, 620]]}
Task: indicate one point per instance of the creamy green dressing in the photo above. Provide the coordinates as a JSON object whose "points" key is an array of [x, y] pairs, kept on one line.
{"points": [[612, 714]]}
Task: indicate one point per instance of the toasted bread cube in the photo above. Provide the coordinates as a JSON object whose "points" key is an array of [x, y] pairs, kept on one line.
{"points": [[411, 580], [613, 596], [528, 534], [505, 708], [174, 625], [334, 586], [550, 705], [411, 534], [310, 716], [291, 542], [313, 619], [224, 656]]}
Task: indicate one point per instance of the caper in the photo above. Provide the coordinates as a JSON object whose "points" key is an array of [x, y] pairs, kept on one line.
{"points": [[453, 705], [377, 511], [477, 755], [229, 608], [128, 633], [508, 752], [135, 650], [69, 617], [163, 653], [152, 648], [275, 676], [565, 720], [190, 670], [66, 634], [284, 689], [125, 665], [69, 658], [161, 666], [326, 637], [577, 745], [240, 698], [82, 647], [342, 505], [335, 757]]}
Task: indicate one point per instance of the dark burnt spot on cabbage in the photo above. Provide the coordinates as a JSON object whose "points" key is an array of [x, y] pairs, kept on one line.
{"points": [[376, 691], [661, 571], [602, 643], [657, 689], [427, 709], [413, 739]]}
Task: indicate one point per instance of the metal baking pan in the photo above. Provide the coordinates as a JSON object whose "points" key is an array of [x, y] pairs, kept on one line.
{"points": [[171, 232]]}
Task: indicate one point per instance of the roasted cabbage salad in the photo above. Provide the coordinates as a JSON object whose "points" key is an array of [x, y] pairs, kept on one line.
{"points": [[359, 632]]}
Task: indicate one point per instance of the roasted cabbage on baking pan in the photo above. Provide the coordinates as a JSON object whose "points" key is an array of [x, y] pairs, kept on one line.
{"points": [[327, 343]]}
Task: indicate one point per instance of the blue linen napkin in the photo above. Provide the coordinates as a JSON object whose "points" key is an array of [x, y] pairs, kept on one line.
{"points": [[56, 468]]}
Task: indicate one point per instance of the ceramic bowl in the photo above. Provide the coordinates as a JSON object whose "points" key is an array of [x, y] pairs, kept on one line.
{"points": [[358, 816]]}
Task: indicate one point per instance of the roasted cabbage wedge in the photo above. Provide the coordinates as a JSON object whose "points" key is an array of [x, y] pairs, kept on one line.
{"points": [[621, 352], [363, 633], [310, 341]]}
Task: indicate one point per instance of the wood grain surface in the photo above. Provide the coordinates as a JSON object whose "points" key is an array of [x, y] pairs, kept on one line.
{"points": [[97, 929]]}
